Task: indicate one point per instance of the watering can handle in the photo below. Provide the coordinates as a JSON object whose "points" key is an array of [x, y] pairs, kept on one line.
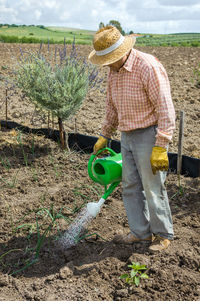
{"points": [[111, 151], [93, 156]]}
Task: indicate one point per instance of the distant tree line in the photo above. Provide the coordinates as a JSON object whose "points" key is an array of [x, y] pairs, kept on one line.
{"points": [[14, 25], [116, 24], [101, 24]]}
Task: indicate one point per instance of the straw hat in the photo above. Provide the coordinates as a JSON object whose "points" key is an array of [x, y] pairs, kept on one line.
{"points": [[109, 46]]}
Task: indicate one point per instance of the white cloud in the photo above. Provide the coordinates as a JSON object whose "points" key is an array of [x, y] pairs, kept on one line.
{"points": [[50, 4], [7, 11], [37, 14], [186, 3], [173, 13], [139, 16], [65, 16]]}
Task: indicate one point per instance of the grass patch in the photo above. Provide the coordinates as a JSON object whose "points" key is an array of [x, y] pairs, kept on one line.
{"points": [[34, 34], [174, 40]]}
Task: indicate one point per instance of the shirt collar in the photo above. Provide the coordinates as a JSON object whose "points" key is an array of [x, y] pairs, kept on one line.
{"points": [[130, 61]]}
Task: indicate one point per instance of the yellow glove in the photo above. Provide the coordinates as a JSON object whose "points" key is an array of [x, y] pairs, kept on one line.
{"points": [[101, 143], [159, 159]]}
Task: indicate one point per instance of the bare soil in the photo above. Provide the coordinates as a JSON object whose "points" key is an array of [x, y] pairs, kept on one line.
{"points": [[38, 180]]}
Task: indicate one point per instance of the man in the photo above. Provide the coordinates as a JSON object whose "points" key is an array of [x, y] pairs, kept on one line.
{"points": [[138, 104]]}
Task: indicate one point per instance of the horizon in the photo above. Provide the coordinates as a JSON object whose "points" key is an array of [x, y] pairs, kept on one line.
{"points": [[92, 30]]}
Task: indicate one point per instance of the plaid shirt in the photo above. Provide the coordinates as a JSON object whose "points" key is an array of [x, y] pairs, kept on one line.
{"points": [[138, 96]]}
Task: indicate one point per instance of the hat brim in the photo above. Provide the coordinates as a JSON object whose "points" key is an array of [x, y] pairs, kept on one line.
{"points": [[113, 56]]}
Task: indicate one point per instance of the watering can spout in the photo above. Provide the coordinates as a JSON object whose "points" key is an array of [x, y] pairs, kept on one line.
{"points": [[94, 208]]}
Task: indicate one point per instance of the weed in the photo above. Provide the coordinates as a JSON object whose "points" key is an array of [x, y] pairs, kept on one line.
{"points": [[6, 253], [136, 274], [33, 147], [180, 192], [12, 183], [4, 67], [19, 140], [45, 221], [5, 162], [55, 167], [34, 174]]}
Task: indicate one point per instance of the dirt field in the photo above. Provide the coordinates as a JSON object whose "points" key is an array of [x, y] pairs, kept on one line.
{"points": [[38, 180]]}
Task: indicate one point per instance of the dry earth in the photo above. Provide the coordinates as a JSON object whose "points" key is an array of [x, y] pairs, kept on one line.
{"points": [[37, 178]]}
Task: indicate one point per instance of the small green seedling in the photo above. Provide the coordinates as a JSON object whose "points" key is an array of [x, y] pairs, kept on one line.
{"points": [[136, 273]]}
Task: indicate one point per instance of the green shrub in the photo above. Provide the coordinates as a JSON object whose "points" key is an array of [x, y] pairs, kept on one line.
{"points": [[184, 44], [195, 44], [175, 44], [58, 88], [9, 39]]}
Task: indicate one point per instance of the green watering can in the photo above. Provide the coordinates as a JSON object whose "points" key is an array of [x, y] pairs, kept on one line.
{"points": [[105, 171]]}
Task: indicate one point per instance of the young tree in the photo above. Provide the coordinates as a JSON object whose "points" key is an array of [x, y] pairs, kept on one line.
{"points": [[117, 25], [58, 88], [113, 23], [101, 25]]}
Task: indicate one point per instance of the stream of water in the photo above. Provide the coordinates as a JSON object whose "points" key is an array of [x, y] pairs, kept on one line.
{"points": [[76, 229]]}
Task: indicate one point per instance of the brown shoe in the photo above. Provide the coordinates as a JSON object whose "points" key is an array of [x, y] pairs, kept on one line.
{"points": [[159, 244], [129, 239]]}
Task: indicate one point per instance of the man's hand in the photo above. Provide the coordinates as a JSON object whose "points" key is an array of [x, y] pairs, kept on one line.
{"points": [[101, 143], [159, 159]]}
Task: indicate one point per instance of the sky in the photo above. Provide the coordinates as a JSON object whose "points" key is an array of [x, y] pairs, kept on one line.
{"points": [[140, 16]]}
